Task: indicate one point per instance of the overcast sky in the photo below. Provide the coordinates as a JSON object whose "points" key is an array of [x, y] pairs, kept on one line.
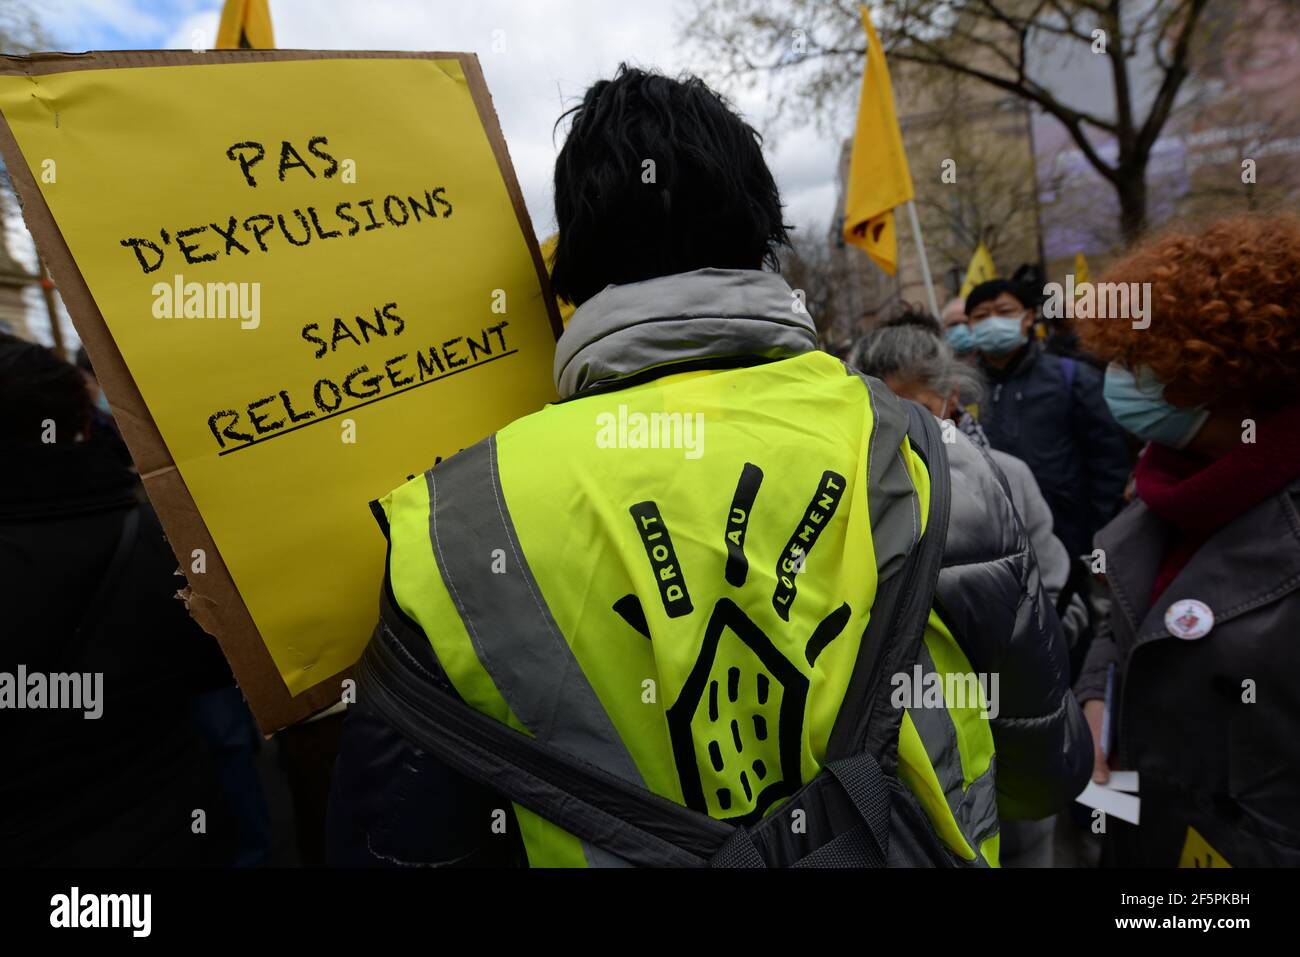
{"points": [[553, 50]]}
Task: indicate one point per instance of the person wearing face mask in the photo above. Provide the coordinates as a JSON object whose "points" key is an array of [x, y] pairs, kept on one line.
{"points": [[1191, 681], [908, 353], [956, 328], [1048, 411]]}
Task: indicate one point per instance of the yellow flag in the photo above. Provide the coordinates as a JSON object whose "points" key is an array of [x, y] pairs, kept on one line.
{"points": [[1080, 273], [245, 25], [980, 270], [879, 178]]}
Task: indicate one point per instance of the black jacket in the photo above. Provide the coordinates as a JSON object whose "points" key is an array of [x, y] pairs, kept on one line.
{"points": [[1049, 412], [120, 789], [1211, 725]]}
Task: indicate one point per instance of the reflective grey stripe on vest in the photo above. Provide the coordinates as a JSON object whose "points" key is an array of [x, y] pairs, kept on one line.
{"points": [[515, 637], [976, 808], [892, 499]]}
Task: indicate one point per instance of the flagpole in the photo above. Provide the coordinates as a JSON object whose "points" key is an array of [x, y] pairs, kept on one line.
{"points": [[925, 263]]}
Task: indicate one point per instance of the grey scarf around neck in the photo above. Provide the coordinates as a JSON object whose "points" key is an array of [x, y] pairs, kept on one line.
{"points": [[707, 314]]}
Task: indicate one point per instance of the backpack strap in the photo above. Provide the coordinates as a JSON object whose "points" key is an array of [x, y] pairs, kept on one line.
{"points": [[856, 807], [850, 799], [636, 824], [892, 641], [1067, 370]]}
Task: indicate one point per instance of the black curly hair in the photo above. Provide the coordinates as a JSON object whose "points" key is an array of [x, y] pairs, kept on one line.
{"points": [[659, 176]]}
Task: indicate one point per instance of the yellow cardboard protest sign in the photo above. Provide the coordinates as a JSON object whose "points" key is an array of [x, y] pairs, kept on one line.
{"points": [[320, 279], [1198, 852]]}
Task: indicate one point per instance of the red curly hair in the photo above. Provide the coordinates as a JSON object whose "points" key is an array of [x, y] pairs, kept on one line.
{"points": [[1224, 313]]}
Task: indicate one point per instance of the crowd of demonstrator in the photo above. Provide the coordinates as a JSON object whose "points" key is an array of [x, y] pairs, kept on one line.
{"points": [[1124, 550]]}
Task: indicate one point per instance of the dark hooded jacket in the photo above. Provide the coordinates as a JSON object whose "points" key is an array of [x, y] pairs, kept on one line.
{"points": [[88, 585], [1049, 412]]}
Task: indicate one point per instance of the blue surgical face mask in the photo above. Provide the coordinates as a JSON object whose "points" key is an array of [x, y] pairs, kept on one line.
{"points": [[1139, 406], [960, 339], [998, 335]]}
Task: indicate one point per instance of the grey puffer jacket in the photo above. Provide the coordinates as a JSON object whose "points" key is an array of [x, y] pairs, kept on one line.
{"points": [[990, 594], [1036, 514]]}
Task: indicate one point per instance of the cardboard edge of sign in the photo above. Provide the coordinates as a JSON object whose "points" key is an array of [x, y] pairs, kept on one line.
{"points": [[212, 598]]}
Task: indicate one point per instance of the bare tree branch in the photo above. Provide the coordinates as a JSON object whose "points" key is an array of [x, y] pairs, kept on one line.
{"points": [[996, 43], [1175, 74]]}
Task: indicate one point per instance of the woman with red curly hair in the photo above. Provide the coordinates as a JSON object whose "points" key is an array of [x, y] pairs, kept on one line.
{"points": [[1193, 680]]}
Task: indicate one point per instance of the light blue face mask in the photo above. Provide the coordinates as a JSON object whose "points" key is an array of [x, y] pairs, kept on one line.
{"points": [[1139, 406], [998, 335], [960, 339]]}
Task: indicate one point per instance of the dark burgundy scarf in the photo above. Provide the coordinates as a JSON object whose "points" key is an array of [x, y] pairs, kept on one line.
{"points": [[1198, 496]]}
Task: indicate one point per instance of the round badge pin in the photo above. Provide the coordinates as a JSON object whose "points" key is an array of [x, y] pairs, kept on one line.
{"points": [[1189, 619]]}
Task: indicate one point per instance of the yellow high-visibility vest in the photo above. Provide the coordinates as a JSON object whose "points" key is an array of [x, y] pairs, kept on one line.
{"points": [[671, 580]]}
